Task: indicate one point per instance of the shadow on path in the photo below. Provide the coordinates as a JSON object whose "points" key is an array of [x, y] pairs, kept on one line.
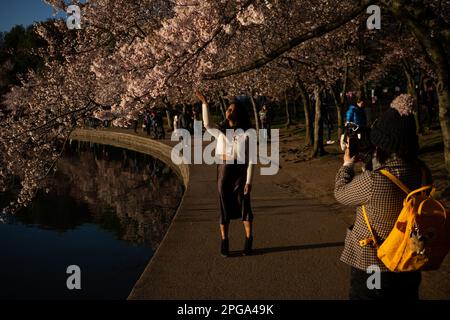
{"points": [[262, 251]]}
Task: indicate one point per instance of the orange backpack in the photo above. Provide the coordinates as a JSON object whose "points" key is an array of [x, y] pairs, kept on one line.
{"points": [[420, 239]]}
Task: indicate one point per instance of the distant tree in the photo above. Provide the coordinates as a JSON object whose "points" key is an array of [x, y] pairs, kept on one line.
{"points": [[18, 55]]}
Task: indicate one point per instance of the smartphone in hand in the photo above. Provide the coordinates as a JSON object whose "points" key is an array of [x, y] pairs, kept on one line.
{"points": [[353, 145]]}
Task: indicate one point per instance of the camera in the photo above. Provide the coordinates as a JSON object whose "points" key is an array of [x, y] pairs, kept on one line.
{"points": [[358, 141]]}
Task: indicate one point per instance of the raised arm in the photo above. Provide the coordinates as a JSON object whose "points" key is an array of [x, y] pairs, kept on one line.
{"points": [[205, 116], [249, 173], [350, 190], [250, 168]]}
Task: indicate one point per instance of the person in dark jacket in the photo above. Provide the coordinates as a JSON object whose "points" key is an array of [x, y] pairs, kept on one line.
{"points": [[357, 114], [394, 136]]}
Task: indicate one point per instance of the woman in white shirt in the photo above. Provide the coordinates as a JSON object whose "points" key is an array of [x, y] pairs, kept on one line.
{"points": [[233, 179]]}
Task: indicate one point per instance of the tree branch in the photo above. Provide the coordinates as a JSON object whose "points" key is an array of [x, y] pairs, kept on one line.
{"points": [[206, 44], [319, 31]]}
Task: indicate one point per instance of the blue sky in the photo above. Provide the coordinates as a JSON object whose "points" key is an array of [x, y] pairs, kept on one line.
{"points": [[23, 12]]}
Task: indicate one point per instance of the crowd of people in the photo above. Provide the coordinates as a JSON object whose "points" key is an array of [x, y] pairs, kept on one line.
{"points": [[184, 119], [359, 112], [152, 124]]}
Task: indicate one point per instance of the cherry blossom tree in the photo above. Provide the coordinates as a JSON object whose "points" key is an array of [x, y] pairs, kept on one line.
{"points": [[131, 54], [428, 21]]}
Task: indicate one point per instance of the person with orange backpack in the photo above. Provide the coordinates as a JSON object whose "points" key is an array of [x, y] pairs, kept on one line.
{"points": [[395, 209]]}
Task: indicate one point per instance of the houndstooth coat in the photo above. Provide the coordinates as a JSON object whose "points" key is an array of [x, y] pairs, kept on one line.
{"points": [[383, 201]]}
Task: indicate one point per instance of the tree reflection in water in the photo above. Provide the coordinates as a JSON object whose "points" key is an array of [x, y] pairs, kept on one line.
{"points": [[126, 192], [104, 210]]}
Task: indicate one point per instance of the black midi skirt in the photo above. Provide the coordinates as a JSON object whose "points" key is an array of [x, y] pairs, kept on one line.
{"points": [[233, 203]]}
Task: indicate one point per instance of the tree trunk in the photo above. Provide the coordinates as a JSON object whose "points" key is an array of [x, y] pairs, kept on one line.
{"points": [[169, 119], [362, 30], [222, 105], [438, 56], [168, 108], [342, 96], [255, 111], [338, 113], [288, 114], [411, 88], [307, 110], [444, 109], [294, 109], [318, 125]]}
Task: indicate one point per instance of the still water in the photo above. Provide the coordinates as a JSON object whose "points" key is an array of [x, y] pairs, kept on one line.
{"points": [[105, 210]]}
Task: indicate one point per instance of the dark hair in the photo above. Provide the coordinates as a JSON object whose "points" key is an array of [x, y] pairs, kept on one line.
{"points": [[242, 118], [382, 155]]}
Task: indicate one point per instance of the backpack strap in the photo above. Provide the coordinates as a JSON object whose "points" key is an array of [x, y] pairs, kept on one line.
{"points": [[395, 180], [372, 240], [443, 210], [409, 193], [421, 189]]}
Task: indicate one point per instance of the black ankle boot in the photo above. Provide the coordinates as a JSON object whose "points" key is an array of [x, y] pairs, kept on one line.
{"points": [[225, 248], [248, 246]]}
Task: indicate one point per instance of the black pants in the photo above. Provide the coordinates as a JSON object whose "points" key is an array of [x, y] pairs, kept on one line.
{"points": [[402, 285]]}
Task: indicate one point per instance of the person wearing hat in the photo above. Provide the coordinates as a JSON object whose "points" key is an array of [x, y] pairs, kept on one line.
{"points": [[396, 145]]}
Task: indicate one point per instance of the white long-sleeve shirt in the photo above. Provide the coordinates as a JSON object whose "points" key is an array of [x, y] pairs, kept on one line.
{"points": [[226, 147]]}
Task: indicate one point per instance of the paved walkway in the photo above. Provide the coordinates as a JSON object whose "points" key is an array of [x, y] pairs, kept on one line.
{"points": [[297, 241]]}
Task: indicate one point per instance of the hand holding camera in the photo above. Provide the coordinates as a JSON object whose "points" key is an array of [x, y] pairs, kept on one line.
{"points": [[347, 157], [356, 144]]}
